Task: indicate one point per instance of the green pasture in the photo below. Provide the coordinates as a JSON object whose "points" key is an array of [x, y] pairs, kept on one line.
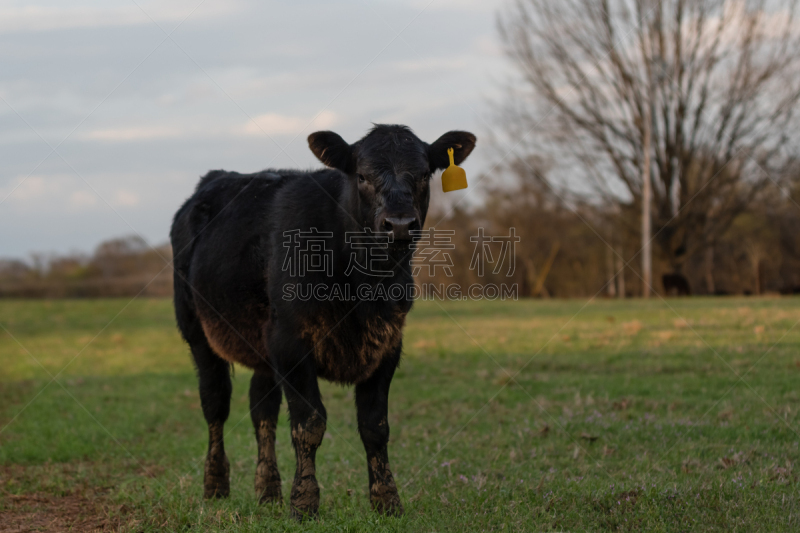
{"points": [[676, 415]]}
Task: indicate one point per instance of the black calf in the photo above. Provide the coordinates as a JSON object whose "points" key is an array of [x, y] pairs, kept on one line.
{"points": [[233, 303], [676, 285]]}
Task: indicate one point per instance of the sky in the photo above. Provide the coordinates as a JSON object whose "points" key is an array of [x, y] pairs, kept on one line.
{"points": [[111, 110]]}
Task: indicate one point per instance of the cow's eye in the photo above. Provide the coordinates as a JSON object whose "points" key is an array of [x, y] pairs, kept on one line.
{"points": [[361, 179]]}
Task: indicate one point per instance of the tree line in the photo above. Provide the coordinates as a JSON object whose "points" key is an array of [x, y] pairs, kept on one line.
{"points": [[125, 266], [572, 248], [568, 248]]}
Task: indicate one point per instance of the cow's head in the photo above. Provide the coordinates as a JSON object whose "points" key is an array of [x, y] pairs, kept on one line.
{"points": [[389, 173]]}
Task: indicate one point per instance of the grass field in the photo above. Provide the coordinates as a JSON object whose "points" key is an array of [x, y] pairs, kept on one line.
{"points": [[522, 416]]}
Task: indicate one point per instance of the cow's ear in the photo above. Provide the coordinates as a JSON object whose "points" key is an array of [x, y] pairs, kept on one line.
{"points": [[332, 150], [462, 143]]}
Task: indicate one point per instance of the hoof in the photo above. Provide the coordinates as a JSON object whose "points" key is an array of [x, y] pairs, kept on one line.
{"points": [[384, 499], [305, 498], [268, 484], [304, 514], [387, 506], [216, 480], [270, 494]]}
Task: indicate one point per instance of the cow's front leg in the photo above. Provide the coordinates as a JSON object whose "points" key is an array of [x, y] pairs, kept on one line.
{"points": [[372, 402], [307, 418]]}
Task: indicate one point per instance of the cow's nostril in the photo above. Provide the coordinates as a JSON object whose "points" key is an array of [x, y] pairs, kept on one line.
{"points": [[400, 226]]}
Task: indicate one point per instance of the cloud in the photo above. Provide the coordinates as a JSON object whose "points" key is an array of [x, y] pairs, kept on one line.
{"points": [[251, 82], [21, 19], [269, 123], [125, 198], [133, 133], [277, 124], [82, 199], [456, 5], [64, 192], [25, 189], [432, 64]]}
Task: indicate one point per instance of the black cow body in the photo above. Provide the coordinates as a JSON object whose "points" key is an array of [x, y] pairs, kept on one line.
{"points": [[231, 278], [676, 285]]}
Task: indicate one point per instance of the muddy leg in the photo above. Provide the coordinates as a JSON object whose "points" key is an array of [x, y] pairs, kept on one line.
{"points": [[215, 398], [372, 402], [307, 418], [265, 404]]}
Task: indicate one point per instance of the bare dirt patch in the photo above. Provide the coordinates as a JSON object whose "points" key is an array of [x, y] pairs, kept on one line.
{"points": [[59, 497], [47, 512]]}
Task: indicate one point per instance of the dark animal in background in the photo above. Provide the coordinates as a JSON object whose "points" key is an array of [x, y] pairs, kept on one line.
{"points": [[676, 285], [229, 245]]}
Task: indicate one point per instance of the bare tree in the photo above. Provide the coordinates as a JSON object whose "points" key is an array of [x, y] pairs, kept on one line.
{"points": [[721, 81]]}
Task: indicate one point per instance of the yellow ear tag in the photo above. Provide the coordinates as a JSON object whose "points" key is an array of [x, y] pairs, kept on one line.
{"points": [[453, 178]]}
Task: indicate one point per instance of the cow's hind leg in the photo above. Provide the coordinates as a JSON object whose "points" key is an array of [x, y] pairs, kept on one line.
{"points": [[215, 398], [372, 402], [212, 372], [265, 404], [308, 422]]}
